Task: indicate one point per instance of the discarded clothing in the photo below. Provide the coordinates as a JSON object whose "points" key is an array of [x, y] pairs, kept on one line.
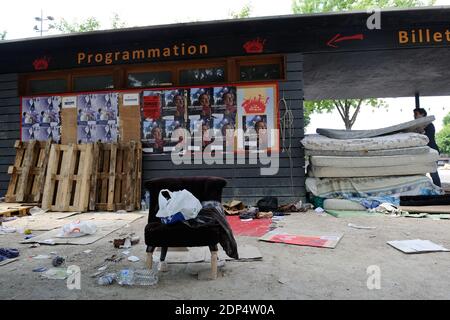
{"points": [[374, 202], [249, 213], [267, 204], [8, 253], [387, 208], [213, 214]]}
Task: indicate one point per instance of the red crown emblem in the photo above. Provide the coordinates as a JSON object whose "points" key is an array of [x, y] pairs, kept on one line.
{"points": [[41, 63], [254, 46], [255, 105]]}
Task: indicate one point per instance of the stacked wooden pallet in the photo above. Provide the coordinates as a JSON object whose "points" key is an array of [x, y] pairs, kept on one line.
{"points": [[14, 209], [28, 172], [78, 177]]}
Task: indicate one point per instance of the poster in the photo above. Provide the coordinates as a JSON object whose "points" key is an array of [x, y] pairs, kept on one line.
{"points": [[41, 118], [97, 116], [207, 113], [257, 115]]}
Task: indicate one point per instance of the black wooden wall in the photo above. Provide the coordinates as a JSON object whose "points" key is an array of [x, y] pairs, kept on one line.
{"points": [[244, 181]]}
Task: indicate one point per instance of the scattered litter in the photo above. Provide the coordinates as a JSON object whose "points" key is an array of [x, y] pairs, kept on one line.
{"points": [[87, 251], [29, 237], [58, 261], [40, 269], [416, 246], [36, 211], [77, 229], [351, 225], [8, 253], [264, 215], [246, 220], [126, 252], [41, 257], [305, 239], [35, 245], [145, 277], [48, 241], [114, 258], [133, 259], [107, 279], [28, 232], [56, 274], [126, 242], [6, 230], [319, 210], [103, 268], [96, 274], [233, 207], [125, 277], [6, 261]]}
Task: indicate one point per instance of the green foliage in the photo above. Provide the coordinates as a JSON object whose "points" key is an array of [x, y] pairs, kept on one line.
{"points": [[316, 6], [443, 139], [117, 23], [89, 24], [2, 35], [446, 120], [244, 13]]}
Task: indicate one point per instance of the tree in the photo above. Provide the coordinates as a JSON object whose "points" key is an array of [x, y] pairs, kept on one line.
{"points": [[89, 24], [2, 35], [348, 108], [244, 13], [443, 136]]}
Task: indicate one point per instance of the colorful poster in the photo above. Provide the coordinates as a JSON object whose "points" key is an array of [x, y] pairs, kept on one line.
{"points": [[41, 118], [97, 117], [257, 115]]}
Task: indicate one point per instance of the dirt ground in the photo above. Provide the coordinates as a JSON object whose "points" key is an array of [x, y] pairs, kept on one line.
{"points": [[286, 271]]}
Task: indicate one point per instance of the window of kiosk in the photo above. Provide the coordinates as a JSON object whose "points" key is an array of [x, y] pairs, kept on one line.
{"points": [[149, 79], [89, 83], [202, 75], [260, 72], [47, 86]]}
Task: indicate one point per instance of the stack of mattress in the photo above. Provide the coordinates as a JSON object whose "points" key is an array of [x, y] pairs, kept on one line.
{"points": [[381, 167]]}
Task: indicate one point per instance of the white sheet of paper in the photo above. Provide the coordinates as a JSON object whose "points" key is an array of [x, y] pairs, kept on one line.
{"points": [[416, 246]]}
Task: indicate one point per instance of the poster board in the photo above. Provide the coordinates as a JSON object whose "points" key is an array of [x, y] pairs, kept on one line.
{"points": [[40, 118]]}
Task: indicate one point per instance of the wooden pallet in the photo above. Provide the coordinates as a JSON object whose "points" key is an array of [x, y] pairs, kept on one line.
{"points": [[14, 209], [28, 172], [68, 178], [116, 179]]}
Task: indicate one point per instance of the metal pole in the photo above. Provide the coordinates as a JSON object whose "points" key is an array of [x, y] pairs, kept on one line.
{"points": [[417, 100], [42, 21]]}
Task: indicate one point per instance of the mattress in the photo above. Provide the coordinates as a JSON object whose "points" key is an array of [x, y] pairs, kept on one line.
{"points": [[394, 141], [369, 153], [409, 126], [371, 187], [402, 170], [342, 204], [376, 161]]}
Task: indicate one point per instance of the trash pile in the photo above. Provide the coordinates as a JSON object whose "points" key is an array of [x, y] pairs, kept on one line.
{"points": [[358, 170]]}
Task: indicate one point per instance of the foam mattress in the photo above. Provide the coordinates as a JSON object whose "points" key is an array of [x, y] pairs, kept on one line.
{"points": [[369, 153], [409, 126], [394, 141], [342, 204], [402, 170], [371, 186], [376, 161]]}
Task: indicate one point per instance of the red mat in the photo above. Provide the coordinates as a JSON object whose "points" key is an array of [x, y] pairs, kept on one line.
{"points": [[254, 228]]}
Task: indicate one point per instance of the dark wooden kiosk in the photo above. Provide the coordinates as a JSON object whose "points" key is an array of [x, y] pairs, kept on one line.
{"points": [[308, 57]]}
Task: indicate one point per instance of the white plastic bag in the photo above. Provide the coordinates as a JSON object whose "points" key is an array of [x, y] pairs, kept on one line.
{"points": [[181, 205], [77, 229]]}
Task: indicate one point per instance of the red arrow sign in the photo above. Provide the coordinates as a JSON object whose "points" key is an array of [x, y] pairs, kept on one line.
{"points": [[337, 38]]}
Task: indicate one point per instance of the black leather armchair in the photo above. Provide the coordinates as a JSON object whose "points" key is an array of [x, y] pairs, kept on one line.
{"points": [[179, 234]]}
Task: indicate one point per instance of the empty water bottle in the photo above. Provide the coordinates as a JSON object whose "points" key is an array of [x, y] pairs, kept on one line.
{"points": [[143, 206], [147, 199], [145, 277], [107, 279]]}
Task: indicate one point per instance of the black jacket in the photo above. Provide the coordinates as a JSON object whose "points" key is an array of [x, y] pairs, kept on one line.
{"points": [[430, 133]]}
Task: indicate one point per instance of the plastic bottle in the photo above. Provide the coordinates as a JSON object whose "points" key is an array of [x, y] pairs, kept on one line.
{"points": [[145, 277], [143, 206], [107, 279]]}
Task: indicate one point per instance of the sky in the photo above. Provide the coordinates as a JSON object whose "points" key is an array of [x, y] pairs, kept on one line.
{"points": [[17, 18]]}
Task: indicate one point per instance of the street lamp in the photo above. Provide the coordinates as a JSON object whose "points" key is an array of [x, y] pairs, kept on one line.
{"points": [[41, 19]]}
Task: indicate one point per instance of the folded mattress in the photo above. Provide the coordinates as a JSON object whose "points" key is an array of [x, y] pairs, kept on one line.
{"points": [[394, 141], [369, 153], [409, 126], [371, 187], [402, 170], [342, 204], [376, 161]]}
